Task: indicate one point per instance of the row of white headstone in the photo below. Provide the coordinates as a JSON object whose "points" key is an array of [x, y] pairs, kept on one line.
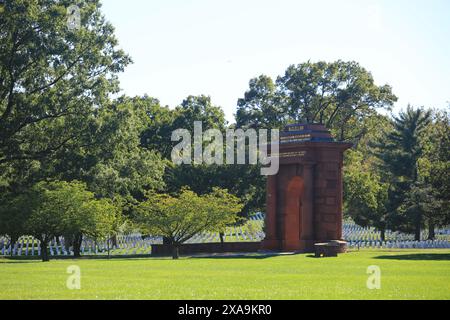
{"points": [[135, 243], [29, 246], [425, 244], [354, 232], [233, 234], [144, 247]]}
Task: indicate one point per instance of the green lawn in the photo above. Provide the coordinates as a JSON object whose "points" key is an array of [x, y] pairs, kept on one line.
{"points": [[406, 274]]}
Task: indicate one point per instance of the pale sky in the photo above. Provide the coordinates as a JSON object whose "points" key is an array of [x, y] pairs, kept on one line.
{"points": [[214, 47]]}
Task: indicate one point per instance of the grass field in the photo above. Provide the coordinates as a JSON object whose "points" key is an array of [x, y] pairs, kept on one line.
{"points": [[405, 274]]}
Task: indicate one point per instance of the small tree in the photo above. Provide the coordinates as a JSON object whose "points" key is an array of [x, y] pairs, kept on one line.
{"points": [[107, 220], [78, 217], [47, 218], [180, 218], [67, 208]]}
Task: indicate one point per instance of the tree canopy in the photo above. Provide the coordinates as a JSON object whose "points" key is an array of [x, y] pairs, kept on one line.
{"points": [[338, 94], [180, 218], [52, 78]]}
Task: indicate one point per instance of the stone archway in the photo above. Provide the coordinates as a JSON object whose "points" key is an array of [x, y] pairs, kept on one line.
{"points": [[304, 200]]}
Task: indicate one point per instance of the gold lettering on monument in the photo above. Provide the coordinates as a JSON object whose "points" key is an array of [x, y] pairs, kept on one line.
{"points": [[290, 154], [297, 128], [296, 137]]}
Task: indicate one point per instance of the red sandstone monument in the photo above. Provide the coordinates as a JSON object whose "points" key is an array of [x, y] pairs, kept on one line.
{"points": [[304, 200]]}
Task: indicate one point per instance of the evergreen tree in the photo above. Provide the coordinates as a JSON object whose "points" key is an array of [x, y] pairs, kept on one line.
{"points": [[399, 152]]}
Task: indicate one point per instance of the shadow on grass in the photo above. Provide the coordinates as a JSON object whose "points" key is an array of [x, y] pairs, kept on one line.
{"points": [[218, 256], [15, 260], [323, 257], [25, 259], [417, 256], [235, 256]]}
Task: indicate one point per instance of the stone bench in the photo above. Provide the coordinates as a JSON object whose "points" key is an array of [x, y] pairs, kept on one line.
{"points": [[329, 249]]}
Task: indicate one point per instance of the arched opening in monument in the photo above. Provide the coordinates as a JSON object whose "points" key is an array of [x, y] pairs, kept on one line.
{"points": [[293, 212], [294, 197]]}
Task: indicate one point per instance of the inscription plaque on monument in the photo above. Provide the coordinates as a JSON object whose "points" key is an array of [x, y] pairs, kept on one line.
{"points": [[304, 200]]}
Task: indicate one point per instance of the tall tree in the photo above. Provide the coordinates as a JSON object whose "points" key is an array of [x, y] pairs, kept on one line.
{"points": [[338, 94], [261, 106], [112, 161], [399, 152], [124, 167], [158, 129], [199, 108], [52, 77], [433, 168], [365, 195], [202, 178], [198, 177]]}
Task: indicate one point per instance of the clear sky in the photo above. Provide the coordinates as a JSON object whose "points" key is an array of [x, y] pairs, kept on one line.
{"points": [[214, 47]]}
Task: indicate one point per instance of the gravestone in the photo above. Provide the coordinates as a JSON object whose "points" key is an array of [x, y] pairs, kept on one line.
{"points": [[304, 200]]}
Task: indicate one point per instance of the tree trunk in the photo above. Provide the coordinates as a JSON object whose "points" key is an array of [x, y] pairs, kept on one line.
{"points": [[108, 246], [114, 240], [44, 251], [221, 236], [383, 234], [77, 241], [13, 241], [431, 234], [175, 251], [68, 242], [417, 232]]}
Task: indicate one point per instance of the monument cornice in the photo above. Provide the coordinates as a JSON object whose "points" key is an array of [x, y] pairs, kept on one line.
{"points": [[317, 144]]}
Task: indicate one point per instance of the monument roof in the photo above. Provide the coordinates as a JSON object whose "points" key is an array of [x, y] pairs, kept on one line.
{"points": [[301, 132]]}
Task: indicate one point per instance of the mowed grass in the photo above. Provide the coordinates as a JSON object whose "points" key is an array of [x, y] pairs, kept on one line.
{"points": [[405, 274]]}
